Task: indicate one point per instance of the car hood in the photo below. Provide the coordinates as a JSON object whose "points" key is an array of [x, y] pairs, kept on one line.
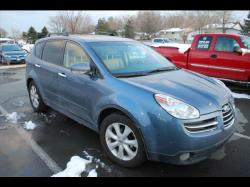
{"points": [[14, 53], [202, 92]]}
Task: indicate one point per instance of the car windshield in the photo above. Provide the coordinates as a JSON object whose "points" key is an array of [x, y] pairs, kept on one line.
{"points": [[11, 48], [246, 41], [166, 41], [130, 58]]}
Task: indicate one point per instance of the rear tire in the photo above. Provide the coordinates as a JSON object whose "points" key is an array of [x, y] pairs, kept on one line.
{"points": [[35, 98], [125, 150]]}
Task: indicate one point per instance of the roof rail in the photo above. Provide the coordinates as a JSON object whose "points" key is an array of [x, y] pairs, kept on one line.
{"points": [[58, 34]]}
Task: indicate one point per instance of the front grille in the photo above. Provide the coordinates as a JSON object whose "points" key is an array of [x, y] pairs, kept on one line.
{"points": [[201, 126], [228, 115]]}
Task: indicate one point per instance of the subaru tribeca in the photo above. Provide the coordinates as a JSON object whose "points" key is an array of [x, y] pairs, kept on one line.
{"points": [[143, 107]]}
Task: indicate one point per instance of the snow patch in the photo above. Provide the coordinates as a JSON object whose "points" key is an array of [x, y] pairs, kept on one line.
{"points": [[13, 117], [29, 125], [74, 168], [241, 96], [182, 48], [92, 173]]}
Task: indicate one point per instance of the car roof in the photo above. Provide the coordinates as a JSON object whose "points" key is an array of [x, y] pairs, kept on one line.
{"points": [[219, 34], [88, 38], [3, 44]]}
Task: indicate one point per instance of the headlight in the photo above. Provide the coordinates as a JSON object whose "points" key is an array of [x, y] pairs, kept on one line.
{"points": [[176, 107]]}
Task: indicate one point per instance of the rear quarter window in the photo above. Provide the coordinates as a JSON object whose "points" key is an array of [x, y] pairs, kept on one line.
{"points": [[204, 42], [39, 49], [53, 51]]}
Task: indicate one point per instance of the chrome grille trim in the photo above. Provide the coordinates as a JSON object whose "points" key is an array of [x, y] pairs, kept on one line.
{"points": [[228, 116], [201, 126]]}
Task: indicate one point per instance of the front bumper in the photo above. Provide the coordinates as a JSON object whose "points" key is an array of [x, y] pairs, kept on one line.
{"points": [[15, 60], [195, 155], [171, 139]]}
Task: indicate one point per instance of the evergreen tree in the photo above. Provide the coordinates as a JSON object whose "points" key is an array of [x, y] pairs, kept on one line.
{"points": [[101, 26], [32, 35], [129, 29], [246, 26], [44, 32], [25, 36]]}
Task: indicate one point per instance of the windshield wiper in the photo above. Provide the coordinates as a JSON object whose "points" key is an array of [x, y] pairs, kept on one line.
{"points": [[146, 73], [130, 75], [163, 69]]}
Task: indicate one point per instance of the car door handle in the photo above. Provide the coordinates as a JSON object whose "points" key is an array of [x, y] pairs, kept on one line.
{"points": [[37, 65], [62, 75], [213, 56]]}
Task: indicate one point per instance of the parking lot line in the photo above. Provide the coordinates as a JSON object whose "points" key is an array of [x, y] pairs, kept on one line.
{"points": [[51, 164], [242, 136]]}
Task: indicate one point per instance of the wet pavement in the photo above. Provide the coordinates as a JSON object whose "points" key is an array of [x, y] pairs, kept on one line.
{"points": [[61, 138]]}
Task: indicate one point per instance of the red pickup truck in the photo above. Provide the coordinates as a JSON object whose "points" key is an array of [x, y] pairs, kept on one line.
{"points": [[224, 56]]}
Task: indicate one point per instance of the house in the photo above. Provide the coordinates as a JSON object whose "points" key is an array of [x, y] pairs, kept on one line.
{"points": [[171, 33], [141, 36]]}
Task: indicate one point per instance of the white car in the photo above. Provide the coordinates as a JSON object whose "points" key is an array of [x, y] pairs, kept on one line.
{"points": [[28, 47]]}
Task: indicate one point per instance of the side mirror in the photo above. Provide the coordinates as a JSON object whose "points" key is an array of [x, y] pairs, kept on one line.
{"points": [[237, 49], [80, 69]]}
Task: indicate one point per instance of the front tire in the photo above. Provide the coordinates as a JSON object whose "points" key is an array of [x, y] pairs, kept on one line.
{"points": [[121, 141], [36, 99]]}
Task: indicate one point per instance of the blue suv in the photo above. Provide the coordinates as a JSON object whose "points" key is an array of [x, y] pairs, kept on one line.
{"points": [[142, 105]]}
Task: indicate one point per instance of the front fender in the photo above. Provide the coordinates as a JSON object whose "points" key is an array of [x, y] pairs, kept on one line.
{"points": [[123, 103], [31, 74]]}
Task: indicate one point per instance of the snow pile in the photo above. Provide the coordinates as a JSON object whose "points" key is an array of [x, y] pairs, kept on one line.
{"points": [[92, 173], [74, 168], [182, 48], [29, 125], [13, 117], [241, 96]]}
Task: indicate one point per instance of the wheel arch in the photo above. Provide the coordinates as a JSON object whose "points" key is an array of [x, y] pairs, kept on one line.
{"points": [[116, 109]]}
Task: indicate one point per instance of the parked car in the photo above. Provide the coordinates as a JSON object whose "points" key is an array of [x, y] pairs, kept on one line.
{"points": [[161, 40], [216, 55], [12, 54], [27, 47], [142, 105], [6, 40]]}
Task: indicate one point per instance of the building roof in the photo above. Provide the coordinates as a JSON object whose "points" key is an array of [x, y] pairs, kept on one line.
{"points": [[172, 30], [235, 26]]}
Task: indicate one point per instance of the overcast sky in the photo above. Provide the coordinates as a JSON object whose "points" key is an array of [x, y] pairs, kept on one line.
{"points": [[22, 20]]}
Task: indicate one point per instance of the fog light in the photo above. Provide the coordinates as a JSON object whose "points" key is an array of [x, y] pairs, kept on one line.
{"points": [[184, 156]]}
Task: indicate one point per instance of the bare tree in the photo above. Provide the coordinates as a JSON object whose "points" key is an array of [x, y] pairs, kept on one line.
{"points": [[16, 34], [225, 17], [3, 33], [57, 23], [74, 22], [149, 21], [201, 19], [176, 19]]}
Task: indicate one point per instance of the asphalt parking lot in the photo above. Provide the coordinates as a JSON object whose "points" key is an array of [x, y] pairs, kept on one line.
{"points": [[48, 148]]}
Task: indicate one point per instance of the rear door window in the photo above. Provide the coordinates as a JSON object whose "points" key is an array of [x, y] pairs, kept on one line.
{"points": [[204, 42], [53, 51], [225, 44], [39, 49]]}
